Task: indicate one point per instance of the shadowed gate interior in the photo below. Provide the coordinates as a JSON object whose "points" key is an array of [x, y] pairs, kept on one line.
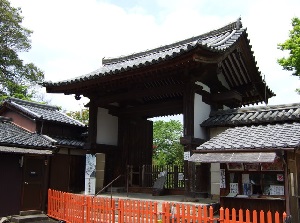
{"points": [[136, 139]]}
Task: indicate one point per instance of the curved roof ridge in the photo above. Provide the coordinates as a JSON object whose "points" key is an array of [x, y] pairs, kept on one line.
{"points": [[35, 104], [18, 106], [230, 27], [45, 112]]}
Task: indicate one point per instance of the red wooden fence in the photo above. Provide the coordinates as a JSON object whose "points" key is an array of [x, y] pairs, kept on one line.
{"points": [[77, 208]]}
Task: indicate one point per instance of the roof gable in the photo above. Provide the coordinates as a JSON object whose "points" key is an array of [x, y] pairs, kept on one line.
{"points": [[40, 111], [13, 135]]}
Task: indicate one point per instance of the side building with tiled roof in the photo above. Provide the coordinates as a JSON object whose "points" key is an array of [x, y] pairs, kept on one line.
{"points": [[67, 165], [254, 157], [24, 158]]}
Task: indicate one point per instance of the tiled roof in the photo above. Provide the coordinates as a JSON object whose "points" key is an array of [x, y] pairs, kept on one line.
{"points": [[256, 137], [218, 40], [40, 111], [69, 142], [9, 149], [254, 115], [15, 136], [233, 157]]}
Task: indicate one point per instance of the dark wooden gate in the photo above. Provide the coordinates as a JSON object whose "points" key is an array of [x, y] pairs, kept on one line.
{"points": [[67, 173], [10, 184], [33, 183]]}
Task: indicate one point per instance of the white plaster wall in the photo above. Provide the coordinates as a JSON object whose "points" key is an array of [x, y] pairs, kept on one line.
{"points": [[201, 113], [215, 167], [107, 128], [100, 169]]}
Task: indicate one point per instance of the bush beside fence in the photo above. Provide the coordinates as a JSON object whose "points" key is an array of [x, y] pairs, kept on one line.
{"points": [[78, 208]]}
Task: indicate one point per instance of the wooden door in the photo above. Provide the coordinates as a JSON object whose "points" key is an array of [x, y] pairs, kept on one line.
{"points": [[10, 184], [33, 178], [293, 189]]}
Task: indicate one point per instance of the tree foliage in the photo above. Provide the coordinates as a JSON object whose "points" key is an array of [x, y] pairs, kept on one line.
{"points": [[292, 62], [17, 79], [166, 143], [82, 115]]}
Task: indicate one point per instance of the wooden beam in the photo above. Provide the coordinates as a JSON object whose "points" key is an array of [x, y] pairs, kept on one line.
{"points": [[227, 96], [190, 140], [214, 59], [139, 93], [148, 110]]}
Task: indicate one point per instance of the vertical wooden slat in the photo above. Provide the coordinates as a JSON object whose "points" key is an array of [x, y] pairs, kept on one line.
{"points": [[233, 215], [284, 216], [221, 219], [261, 217], [205, 214], [277, 219], [269, 217], [247, 216], [178, 217], [211, 214], [199, 208], [241, 215], [254, 214], [194, 216]]}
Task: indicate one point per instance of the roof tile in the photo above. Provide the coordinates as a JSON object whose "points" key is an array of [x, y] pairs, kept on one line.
{"points": [[254, 115], [216, 41], [11, 134], [256, 137]]}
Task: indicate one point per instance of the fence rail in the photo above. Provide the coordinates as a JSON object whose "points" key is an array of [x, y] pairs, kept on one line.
{"points": [[78, 208], [145, 176]]}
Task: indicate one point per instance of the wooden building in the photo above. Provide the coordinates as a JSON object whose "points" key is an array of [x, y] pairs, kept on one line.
{"points": [[190, 77], [24, 169], [67, 167], [255, 158]]}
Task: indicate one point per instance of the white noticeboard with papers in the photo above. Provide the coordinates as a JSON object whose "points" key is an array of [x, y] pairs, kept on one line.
{"points": [[186, 155]]}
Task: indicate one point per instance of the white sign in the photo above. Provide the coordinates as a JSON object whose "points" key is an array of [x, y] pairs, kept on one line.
{"points": [[180, 176], [276, 190], [186, 155], [90, 174], [222, 179], [234, 188]]}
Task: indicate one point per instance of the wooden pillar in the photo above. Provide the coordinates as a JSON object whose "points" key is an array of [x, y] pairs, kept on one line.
{"points": [[92, 129], [188, 132]]}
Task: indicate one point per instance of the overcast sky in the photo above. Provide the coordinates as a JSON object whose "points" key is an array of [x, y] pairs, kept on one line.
{"points": [[70, 37]]}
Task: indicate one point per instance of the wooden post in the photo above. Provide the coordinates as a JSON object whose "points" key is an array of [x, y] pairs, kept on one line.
{"points": [[188, 131], [92, 129], [286, 185]]}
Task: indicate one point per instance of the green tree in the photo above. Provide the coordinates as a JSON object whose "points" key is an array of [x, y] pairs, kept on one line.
{"points": [[17, 79], [292, 62], [166, 143], [82, 116]]}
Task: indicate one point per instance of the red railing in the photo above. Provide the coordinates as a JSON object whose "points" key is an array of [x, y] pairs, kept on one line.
{"points": [[77, 208]]}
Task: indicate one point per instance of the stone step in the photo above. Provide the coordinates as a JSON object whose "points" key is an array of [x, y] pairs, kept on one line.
{"points": [[116, 190], [30, 212], [28, 218]]}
